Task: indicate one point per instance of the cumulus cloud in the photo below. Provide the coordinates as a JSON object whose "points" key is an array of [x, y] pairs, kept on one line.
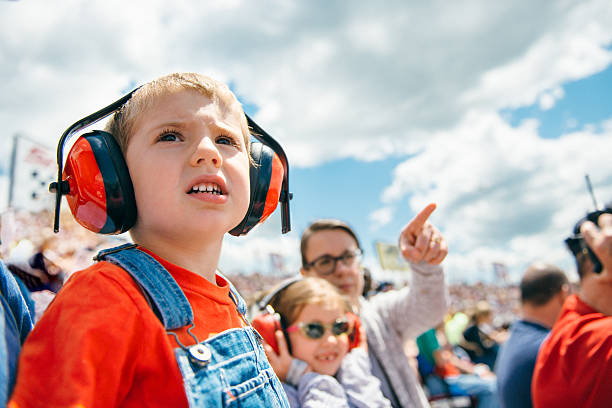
{"points": [[504, 194], [252, 252], [320, 73], [381, 217], [548, 99], [338, 80]]}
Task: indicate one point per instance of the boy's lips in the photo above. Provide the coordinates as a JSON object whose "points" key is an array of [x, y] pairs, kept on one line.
{"points": [[209, 185]]}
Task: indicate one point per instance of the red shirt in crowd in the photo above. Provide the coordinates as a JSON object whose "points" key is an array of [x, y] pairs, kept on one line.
{"points": [[574, 365], [99, 344]]}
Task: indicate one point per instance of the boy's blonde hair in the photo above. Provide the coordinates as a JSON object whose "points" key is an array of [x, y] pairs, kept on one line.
{"points": [[290, 301], [121, 125]]}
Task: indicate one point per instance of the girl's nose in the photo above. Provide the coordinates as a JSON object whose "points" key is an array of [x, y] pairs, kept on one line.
{"points": [[330, 338]]}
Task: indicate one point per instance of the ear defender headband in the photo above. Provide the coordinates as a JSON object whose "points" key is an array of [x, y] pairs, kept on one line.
{"points": [[99, 191]]}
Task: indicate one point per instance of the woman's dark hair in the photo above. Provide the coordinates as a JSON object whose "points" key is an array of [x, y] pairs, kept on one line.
{"points": [[324, 225]]}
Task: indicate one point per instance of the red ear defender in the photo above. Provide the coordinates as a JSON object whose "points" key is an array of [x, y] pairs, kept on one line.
{"points": [[269, 182], [266, 178], [355, 336], [101, 195], [266, 325], [99, 190]]}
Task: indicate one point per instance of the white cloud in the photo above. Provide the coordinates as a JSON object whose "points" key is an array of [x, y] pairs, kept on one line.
{"points": [[381, 77], [504, 194], [337, 80], [252, 253], [381, 217], [548, 99]]}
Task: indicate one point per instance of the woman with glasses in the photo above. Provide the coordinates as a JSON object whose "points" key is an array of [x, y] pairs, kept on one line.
{"points": [[313, 359], [331, 250]]}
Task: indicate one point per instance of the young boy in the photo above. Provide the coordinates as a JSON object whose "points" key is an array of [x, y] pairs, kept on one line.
{"points": [[185, 140]]}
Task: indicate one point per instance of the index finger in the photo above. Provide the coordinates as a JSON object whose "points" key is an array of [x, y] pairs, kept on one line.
{"points": [[419, 220]]}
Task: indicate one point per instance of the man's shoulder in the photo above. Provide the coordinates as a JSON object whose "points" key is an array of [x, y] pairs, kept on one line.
{"points": [[526, 334], [520, 350], [575, 333]]}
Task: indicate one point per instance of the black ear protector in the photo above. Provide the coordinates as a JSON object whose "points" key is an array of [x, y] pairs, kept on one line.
{"points": [[576, 243], [268, 321], [99, 191]]}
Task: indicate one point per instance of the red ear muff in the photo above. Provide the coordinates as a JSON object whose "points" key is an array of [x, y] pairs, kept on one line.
{"points": [[266, 325], [266, 178], [355, 336], [101, 195], [269, 321], [269, 182], [100, 192]]}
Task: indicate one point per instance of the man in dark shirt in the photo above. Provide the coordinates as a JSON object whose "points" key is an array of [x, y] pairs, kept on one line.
{"points": [[543, 291]]}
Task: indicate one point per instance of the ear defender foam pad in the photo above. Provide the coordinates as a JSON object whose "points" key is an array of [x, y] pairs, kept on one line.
{"points": [[266, 325], [266, 178], [101, 196]]}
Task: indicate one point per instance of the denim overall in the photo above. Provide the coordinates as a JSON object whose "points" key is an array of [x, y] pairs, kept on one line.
{"points": [[15, 324], [227, 370]]}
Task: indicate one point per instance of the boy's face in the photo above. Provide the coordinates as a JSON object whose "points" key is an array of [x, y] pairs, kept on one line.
{"points": [[189, 166]]}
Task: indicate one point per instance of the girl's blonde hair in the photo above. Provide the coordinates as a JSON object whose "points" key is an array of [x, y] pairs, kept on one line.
{"points": [[121, 125], [290, 301]]}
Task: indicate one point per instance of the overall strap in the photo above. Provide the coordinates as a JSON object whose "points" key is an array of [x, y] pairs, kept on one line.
{"points": [[235, 296], [161, 290]]}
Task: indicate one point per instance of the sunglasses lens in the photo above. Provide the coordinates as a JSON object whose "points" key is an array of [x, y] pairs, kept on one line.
{"points": [[340, 327], [314, 330]]}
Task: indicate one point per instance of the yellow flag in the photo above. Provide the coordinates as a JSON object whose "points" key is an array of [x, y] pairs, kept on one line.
{"points": [[390, 257]]}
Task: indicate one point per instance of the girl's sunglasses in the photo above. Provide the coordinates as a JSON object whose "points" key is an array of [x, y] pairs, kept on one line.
{"points": [[316, 330]]}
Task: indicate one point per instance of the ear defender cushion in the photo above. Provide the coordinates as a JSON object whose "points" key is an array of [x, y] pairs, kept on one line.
{"points": [[355, 336], [266, 324], [266, 178], [101, 196]]}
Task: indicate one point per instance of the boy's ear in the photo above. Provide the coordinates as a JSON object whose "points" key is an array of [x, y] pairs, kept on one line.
{"points": [[100, 192], [266, 179]]}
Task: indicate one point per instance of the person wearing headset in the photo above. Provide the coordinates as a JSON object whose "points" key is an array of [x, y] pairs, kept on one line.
{"points": [[574, 363], [187, 145], [331, 250], [317, 352]]}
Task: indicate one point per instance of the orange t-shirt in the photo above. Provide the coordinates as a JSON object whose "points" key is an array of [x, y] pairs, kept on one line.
{"points": [[99, 344]]}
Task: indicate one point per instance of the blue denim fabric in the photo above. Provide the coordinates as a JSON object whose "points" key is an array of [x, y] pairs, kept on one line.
{"points": [[238, 369], [15, 325], [236, 373]]}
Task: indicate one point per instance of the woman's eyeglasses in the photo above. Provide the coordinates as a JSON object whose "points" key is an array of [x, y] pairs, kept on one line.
{"points": [[326, 264], [316, 330]]}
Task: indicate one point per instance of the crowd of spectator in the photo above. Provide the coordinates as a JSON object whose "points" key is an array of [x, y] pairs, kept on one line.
{"points": [[24, 234], [44, 261]]}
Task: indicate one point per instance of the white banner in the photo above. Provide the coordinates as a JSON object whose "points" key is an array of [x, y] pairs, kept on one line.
{"points": [[33, 168]]}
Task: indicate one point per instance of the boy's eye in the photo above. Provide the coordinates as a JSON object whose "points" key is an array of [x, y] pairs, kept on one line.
{"points": [[226, 140], [168, 136]]}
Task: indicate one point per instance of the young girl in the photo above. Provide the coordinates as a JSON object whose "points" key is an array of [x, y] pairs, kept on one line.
{"points": [[313, 360]]}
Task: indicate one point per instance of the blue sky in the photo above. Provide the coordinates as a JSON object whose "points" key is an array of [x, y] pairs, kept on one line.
{"points": [[586, 102], [381, 110]]}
